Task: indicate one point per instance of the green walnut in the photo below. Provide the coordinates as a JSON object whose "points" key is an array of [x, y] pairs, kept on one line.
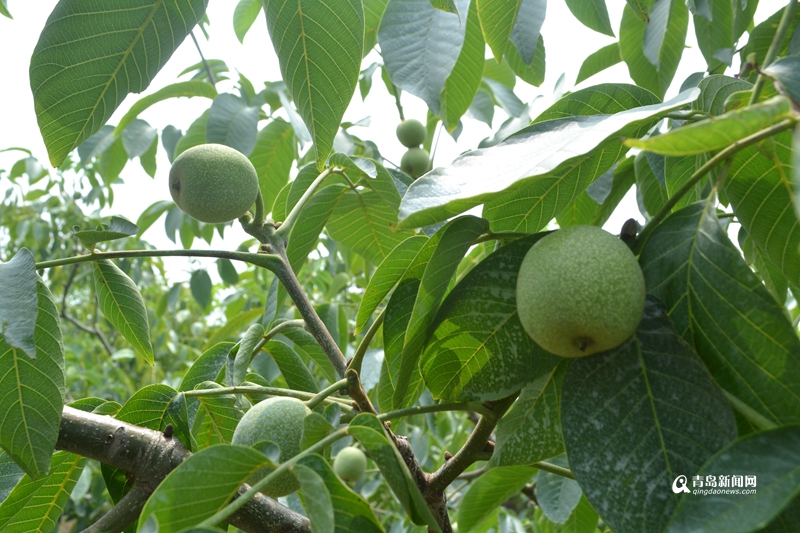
{"points": [[415, 162], [279, 420], [580, 291], [411, 133], [350, 464], [213, 183]]}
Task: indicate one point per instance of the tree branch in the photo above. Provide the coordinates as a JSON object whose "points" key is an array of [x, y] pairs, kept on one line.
{"points": [[149, 456]]}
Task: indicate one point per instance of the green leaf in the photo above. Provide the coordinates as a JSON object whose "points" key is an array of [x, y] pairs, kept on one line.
{"points": [[497, 21], [641, 435], [227, 272], [405, 329], [557, 495], [598, 61], [761, 37], [10, 474], [420, 46], [207, 367], [715, 33], [18, 314], [119, 228], [319, 506], [757, 179], [717, 132], [527, 24], [294, 371], [771, 458], [373, 13], [233, 123], [33, 391], [720, 307], [386, 276], [138, 137], [530, 208], [478, 349], [101, 59], [592, 14], [244, 16], [533, 73], [531, 431], [187, 89], [186, 498], [785, 71], [217, 418], [633, 32], [4, 9], [272, 157], [582, 520], [448, 6], [319, 47], [714, 91], [365, 223], [370, 433], [463, 81], [553, 149], [305, 344], [351, 513], [305, 232], [490, 491], [36, 505], [148, 158], [200, 286], [651, 190], [195, 135], [123, 306], [245, 354], [596, 204]]}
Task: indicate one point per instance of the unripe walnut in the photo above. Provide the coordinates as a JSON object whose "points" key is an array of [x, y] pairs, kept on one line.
{"points": [[213, 183]]}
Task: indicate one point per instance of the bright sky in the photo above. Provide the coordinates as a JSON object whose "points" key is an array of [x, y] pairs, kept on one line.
{"points": [[567, 44]]}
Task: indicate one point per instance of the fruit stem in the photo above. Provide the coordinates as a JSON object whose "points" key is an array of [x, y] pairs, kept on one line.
{"points": [[774, 47], [269, 391], [285, 228], [472, 407], [258, 218], [702, 171], [324, 393]]}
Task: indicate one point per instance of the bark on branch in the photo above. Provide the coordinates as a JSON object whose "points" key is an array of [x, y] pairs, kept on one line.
{"points": [[149, 456]]}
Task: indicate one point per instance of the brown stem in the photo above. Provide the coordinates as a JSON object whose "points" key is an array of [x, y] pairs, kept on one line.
{"points": [[150, 455]]}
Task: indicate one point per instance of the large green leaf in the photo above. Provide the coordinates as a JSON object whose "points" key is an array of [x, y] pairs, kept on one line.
{"points": [[420, 45], [490, 491], [596, 204], [714, 90], [557, 495], [102, 54], [365, 223], [626, 423], [531, 431], [244, 16], [272, 157], [36, 505], [497, 21], [465, 78], [413, 306], [386, 276], [652, 62], [768, 461], [373, 13], [592, 14], [217, 418], [319, 46], [759, 179], [536, 203], [33, 391], [306, 230], [478, 349], [717, 132], [123, 306], [761, 37], [545, 152], [720, 307], [296, 374], [19, 310], [186, 497], [714, 32], [185, 88], [233, 123], [527, 24]]}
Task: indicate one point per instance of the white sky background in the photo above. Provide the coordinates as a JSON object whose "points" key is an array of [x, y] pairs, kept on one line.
{"points": [[567, 44]]}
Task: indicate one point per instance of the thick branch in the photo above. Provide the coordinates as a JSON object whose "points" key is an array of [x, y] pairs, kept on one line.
{"points": [[149, 456]]}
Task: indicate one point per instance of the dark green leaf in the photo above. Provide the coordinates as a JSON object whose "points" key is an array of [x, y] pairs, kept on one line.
{"points": [[245, 353], [653, 193], [527, 24], [714, 32], [463, 81], [10, 474], [490, 491], [101, 59], [294, 371], [227, 271], [319, 506], [217, 418], [273, 157], [18, 314], [119, 228], [207, 367], [33, 391], [123, 306], [720, 307], [557, 495], [761, 37], [771, 459], [786, 71], [592, 14], [200, 285], [714, 91], [478, 349], [625, 423], [320, 60]]}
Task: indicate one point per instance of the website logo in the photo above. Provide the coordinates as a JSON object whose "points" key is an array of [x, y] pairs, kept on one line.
{"points": [[679, 485]]}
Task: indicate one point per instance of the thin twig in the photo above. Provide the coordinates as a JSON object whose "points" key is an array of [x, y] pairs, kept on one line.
{"points": [[203, 59], [358, 358]]}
